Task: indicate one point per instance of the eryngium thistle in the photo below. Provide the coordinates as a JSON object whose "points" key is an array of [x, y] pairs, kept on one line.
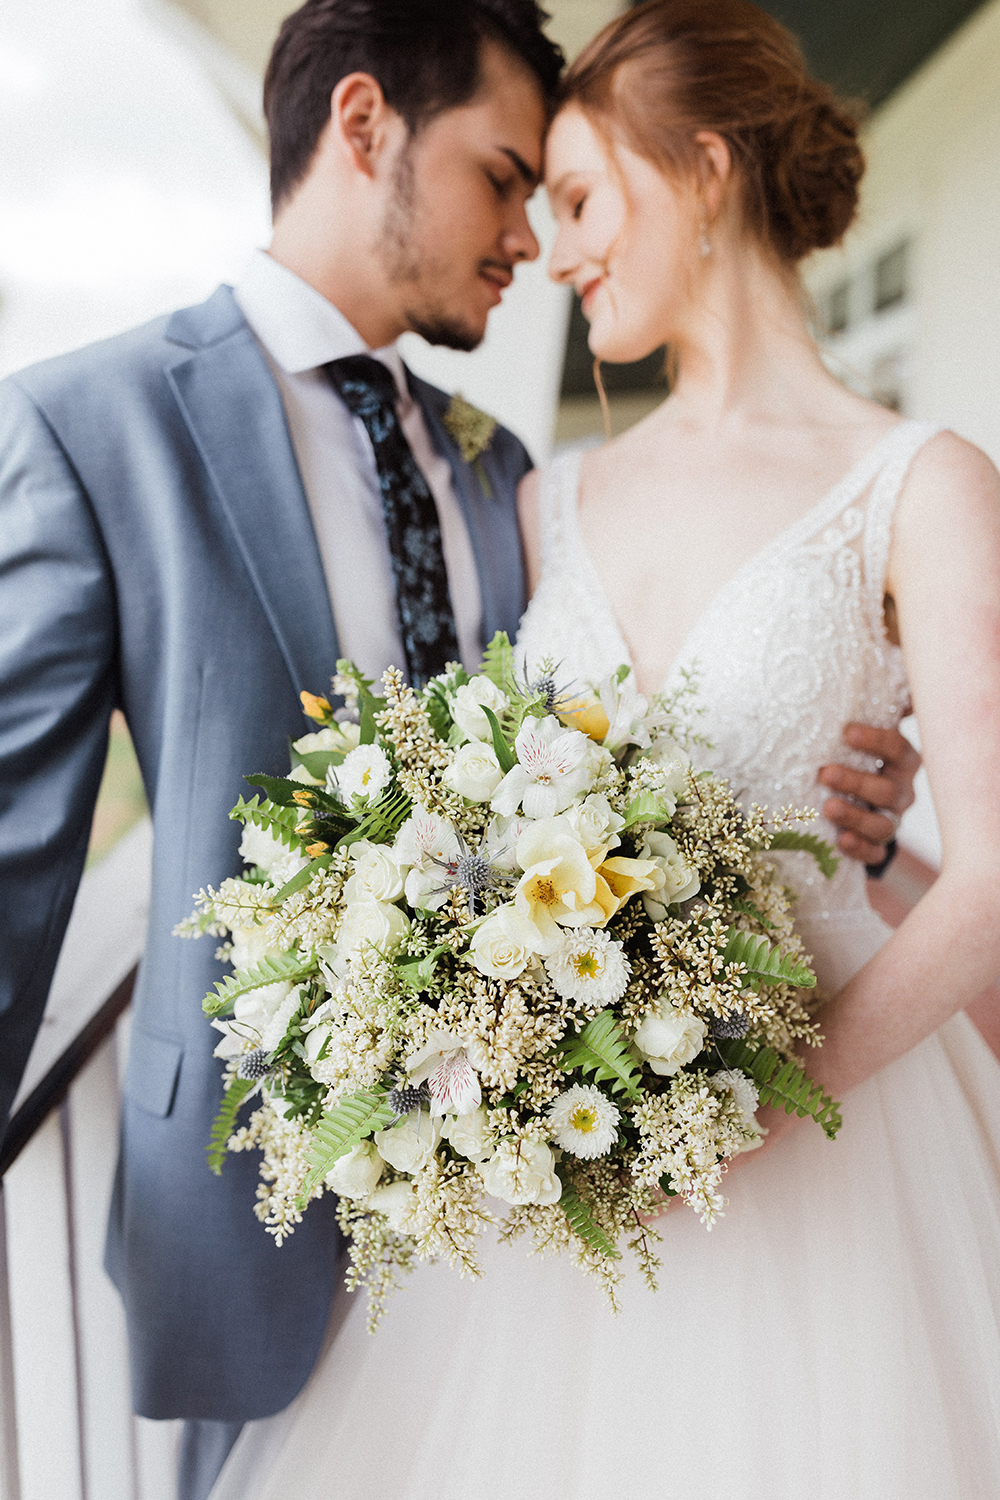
{"points": [[411, 1096], [726, 1028], [255, 1064]]}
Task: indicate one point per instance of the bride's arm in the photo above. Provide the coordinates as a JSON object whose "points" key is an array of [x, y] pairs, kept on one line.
{"points": [[944, 574], [527, 514]]}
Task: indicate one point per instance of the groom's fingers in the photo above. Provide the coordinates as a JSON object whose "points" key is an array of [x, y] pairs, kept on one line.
{"points": [[878, 790], [863, 832], [900, 761]]}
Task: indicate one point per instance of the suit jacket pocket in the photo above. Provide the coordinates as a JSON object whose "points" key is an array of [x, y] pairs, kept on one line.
{"points": [[151, 1078]]}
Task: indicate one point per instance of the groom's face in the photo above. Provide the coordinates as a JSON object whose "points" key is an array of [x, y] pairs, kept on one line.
{"points": [[455, 224]]}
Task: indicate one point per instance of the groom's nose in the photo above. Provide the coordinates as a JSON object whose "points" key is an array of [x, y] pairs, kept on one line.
{"points": [[518, 241]]}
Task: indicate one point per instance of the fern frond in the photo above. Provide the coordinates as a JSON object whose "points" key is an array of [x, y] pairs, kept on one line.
{"points": [[437, 709], [580, 1218], [383, 822], [498, 662], [353, 1120], [290, 966], [785, 1085], [821, 851], [601, 1049], [764, 961], [225, 1121], [280, 821], [749, 910]]}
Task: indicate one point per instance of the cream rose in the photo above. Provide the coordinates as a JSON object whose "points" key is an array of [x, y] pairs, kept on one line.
{"points": [[398, 1201], [475, 772], [377, 876], [372, 924], [504, 945], [410, 1145], [679, 882], [467, 707], [522, 1172], [468, 1134], [340, 738], [355, 1174], [595, 823], [670, 1038]]}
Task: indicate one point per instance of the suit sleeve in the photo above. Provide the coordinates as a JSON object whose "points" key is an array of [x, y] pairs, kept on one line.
{"points": [[57, 653]]}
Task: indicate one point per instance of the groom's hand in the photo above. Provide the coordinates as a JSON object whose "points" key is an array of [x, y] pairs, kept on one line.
{"points": [[864, 829]]}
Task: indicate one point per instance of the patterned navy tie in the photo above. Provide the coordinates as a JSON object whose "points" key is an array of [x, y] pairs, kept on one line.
{"points": [[423, 604]]}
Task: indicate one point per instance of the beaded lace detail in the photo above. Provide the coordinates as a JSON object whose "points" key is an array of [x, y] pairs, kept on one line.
{"points": [[789, 650]]}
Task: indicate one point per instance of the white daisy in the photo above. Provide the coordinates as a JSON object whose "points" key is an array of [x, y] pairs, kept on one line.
{"points": [[584, 1121], [589, 966]]}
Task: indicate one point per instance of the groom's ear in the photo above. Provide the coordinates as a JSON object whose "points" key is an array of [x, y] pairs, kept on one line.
{"points": [[360, 120]]}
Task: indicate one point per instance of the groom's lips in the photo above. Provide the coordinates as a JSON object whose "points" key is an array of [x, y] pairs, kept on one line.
{"points": [[498, 278]]}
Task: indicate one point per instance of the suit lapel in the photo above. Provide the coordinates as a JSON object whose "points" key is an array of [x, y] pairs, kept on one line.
{"points": [[234, 413]]}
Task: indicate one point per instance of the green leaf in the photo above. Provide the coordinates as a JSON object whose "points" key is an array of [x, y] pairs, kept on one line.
{"points": [[279, 789], [368, 704], [580, 1217], [418, 972], [821, 851], [785, 1085], [504, 754], [381, 824], [438, 708], [318, 762], [648, 807], [764, 961], [225, 1122], [301, 880], [749, 910], [498, 662], [601, 1049], [353, 1120], [290, 966], [280, 821]]}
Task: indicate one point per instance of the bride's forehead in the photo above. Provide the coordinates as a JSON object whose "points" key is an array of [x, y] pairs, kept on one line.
{"points": [[573, 144]]}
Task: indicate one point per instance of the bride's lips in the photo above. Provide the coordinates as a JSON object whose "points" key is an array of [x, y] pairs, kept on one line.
{"points": [[587, 294], [498, 279]]}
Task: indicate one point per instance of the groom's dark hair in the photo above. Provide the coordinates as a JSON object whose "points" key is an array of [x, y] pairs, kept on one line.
{"points": [[424, 53]]}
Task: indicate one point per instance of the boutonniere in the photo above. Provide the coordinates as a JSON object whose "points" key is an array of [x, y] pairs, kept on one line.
{"points": [[473, 431]]}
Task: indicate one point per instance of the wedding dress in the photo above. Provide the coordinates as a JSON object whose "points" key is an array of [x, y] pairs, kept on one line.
{"points": [[837, 1334]]}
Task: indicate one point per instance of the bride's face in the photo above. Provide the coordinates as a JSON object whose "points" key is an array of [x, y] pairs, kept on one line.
{"points": [[627, 241]]}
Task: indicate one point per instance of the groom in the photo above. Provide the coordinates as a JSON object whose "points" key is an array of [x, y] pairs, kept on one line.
{"points": [[196, 519]]}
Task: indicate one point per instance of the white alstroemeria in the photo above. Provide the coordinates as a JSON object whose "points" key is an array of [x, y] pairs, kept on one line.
{"points": [[500, 842], [590, 966], [679, 881], [378, 876], [522, 1172], [467, 707], [559, 887], [425, 843], [744, 1091], [595, 823], [254, 1016], [504, 944], [372, 924], [584, 1121], [670, 1037], [475, 772], [627, 712], [356, 1173], [340, 738], [364, 773], [273, 1032], [398, 1201], [469, 1134], [550, 773], [410, 1145], [449, 1063]]}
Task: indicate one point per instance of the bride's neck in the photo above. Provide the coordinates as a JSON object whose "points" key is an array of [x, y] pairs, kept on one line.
{"points": [[744, 352]]}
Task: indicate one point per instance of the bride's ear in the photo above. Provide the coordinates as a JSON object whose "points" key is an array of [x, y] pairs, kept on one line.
{"points": [[715, 168]]}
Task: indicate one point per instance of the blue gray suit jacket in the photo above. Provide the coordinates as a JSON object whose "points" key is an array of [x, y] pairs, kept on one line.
{"points": [[157, 553]]}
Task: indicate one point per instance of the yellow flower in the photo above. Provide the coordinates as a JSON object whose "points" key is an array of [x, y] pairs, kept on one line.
{"points": [[316, 708], [587, 715], [622, 878]]}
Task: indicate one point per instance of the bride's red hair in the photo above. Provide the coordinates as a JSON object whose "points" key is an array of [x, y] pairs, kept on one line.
{"points": [[669, 68]]}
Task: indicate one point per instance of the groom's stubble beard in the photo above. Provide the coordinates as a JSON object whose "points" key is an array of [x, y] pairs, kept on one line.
{"points": [[406, 264]]}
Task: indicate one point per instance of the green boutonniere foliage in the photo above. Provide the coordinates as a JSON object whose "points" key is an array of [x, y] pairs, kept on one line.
{"points": [[473, 431]]}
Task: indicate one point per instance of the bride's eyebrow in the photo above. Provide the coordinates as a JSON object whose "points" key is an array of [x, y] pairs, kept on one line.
{"points": [[531, 177]]}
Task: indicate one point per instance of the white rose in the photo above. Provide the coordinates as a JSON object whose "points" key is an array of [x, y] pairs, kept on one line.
{"points": [[475, 772], [249, 947], [680, 882], [377, 876], [335, 737], [365, 772], [595, 823], [398, 1201], [258, 846], [375, 924], [468, 1134], [355, 1174], [254, 1011], [670, 1038], [467, 707], [504, 945], [410, 1145], [521, 1172]]}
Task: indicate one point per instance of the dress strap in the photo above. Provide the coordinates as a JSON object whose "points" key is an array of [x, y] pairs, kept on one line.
{"points": [[905, 443], [558, 491]]}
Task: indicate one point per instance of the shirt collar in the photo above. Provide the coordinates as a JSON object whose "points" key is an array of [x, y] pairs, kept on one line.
{"points": [[298, 327]]}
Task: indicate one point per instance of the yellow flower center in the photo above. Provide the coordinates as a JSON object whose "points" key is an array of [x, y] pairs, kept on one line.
{"points": [[366, 776], [586, 965], [545, 892], [584, 1119]]}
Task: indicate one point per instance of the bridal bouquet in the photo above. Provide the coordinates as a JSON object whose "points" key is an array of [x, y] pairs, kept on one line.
{"points": [[502, 946]]}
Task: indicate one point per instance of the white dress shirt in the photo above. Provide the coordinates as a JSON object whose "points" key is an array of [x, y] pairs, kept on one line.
{"points": [[299, 331]]}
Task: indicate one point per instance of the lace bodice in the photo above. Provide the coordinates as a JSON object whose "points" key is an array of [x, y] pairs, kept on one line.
{"points": [[785, 654]]}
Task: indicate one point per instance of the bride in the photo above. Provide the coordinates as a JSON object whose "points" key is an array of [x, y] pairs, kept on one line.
{"points": [[819, 559]]}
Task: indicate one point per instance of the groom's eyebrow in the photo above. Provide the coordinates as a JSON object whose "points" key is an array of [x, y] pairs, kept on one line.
{"points": [[531, 177]]}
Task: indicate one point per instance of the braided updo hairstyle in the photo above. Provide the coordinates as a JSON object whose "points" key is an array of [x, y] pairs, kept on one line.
{"points": [[670, 68]]}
